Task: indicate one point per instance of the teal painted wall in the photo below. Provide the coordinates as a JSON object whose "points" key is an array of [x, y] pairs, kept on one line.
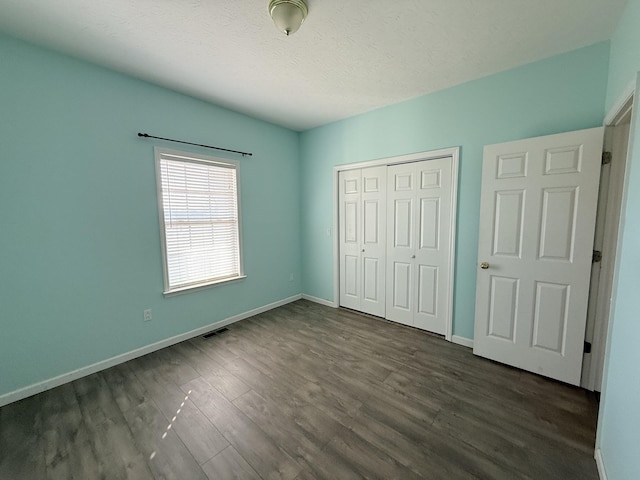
{"points": [[625, 53], [619, 423], [79, 241], [562, 93]]}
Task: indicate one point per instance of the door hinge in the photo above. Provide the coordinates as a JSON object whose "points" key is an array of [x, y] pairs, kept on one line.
{"points": [[587, 347], [597, 256], [606, 158]]}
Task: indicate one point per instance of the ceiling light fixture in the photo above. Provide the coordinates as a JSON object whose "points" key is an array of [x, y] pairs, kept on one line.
{"points": [[288, 15]]}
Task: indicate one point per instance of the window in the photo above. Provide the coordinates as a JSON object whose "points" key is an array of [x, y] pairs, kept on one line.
{"points": [[199, 219]]}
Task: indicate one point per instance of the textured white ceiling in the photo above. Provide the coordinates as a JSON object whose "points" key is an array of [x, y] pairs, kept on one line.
{"points": [[349, 57]]}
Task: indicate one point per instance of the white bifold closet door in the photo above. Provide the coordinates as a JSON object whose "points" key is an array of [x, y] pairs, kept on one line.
{"points": [[419, 243], [362, 229]]}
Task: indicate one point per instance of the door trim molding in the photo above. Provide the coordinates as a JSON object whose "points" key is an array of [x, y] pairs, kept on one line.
{"points": [[454, 153], [602, 473], [632, 148], [617, 108], [626, 102]]}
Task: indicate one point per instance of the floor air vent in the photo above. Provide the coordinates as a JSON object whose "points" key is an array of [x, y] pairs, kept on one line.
{"points": [[215, 332]]}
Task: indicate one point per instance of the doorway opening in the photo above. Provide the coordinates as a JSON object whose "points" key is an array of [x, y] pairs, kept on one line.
{"points": [[616, 141]]}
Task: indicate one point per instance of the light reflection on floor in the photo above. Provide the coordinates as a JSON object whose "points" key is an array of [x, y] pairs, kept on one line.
{"points": [[164, 435]]}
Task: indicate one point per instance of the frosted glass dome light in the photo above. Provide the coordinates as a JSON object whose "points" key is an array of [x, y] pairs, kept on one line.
{"points": [[288, 15]]}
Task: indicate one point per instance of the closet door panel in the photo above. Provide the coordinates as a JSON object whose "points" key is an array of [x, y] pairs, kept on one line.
{"points": [[400, 245], [350, 226], [395, 242], [373, 252], [433, 196], [362, 212], [418, 250]]}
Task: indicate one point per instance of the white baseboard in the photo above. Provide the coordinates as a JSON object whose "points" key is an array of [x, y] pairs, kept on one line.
{"points": [[465, 342], [602, 473], [321, 301], [124, 357]]}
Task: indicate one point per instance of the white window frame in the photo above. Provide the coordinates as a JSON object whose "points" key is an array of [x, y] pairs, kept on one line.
{"points": [[189, 157]]}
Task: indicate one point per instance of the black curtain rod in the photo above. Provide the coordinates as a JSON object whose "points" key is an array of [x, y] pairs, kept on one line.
{"points": [[146, 135]]}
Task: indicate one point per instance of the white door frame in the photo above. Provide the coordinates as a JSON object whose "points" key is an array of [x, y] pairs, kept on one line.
{"points": [[454, 153], [593, 369], [605, 337]]}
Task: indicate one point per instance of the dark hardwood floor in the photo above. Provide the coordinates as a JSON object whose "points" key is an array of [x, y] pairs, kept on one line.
{"points": [[303, 392]]}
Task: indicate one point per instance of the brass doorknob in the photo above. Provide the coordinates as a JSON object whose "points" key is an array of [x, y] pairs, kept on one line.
{"points": [[484, 265]]}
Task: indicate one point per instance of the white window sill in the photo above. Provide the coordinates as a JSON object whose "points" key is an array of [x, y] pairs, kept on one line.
{"points": [[200, 286]]}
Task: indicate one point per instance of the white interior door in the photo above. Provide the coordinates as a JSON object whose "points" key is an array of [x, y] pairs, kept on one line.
{"points": [[362, 212], [537, 221], [419, 243]]}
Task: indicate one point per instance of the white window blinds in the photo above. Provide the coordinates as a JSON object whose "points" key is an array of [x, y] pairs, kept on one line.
{"points": [[200, 222]]}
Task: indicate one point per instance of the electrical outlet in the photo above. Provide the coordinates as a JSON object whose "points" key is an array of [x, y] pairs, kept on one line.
{"points": [[291, 277], [147, 315], [328, 232]]}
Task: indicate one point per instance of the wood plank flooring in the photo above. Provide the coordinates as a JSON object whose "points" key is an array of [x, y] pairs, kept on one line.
{"points": [[304, 392]]}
